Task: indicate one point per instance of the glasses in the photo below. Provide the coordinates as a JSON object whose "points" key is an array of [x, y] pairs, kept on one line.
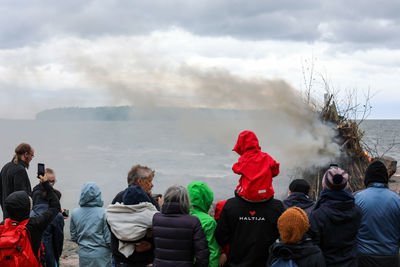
{"points": [[52, 181]]}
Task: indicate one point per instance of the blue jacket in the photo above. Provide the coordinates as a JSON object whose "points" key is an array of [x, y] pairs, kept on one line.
{"points": [[336, 220], [89, 228], [379, 233]]}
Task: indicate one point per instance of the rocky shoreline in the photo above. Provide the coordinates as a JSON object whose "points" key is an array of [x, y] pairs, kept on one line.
{"points": [[69, 257]]}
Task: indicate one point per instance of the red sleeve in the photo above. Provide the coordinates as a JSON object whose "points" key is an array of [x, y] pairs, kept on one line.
{"points": [[275, 168]]}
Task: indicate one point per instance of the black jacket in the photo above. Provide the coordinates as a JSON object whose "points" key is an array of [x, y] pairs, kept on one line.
{"points": [[19, 203], [136, 259], [250, 228], [300, 200], [178, 239], [305, 253], [336, 220], [13, 177]]}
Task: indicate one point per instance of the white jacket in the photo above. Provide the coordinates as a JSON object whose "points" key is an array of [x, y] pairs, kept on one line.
{"points": [[130, 223]]}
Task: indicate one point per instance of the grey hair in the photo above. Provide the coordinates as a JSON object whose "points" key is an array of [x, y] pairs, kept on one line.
{"points": [[139, 172], [179, 194]]}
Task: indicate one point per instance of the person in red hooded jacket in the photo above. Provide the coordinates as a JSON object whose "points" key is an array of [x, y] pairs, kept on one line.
{"points": [[248, 221], [256, 168]]}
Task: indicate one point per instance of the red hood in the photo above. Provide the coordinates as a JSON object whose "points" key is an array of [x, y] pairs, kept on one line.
{"points": [[246, 140]]}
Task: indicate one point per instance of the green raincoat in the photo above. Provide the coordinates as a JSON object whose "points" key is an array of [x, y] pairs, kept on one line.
{"points": [[202, 197]]}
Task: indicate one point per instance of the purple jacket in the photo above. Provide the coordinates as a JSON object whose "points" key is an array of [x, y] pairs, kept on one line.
{"points": [[178, 239]]}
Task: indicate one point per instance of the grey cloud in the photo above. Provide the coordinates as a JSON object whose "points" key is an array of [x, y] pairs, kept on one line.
{"points": [[26, 22]]}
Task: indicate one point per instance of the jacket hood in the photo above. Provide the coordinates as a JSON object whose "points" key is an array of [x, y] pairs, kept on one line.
{"points": [[18, 205], [340, 204], [200, 195], [39, 194], [90, 196], [39, 209], [134, 194], [298, 199], [295, 251], [247, 140]]}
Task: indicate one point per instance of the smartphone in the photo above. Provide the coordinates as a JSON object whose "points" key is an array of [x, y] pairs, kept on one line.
{"points": [[40, 169], [65, 213]]}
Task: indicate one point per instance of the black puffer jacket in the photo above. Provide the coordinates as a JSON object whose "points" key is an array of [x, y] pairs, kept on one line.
{"points": [[305, 253], [13, 177], [18, 207], [178, 239], [300, 200], [250, 228]]}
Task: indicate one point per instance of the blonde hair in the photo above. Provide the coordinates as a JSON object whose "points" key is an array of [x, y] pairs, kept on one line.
{"points": [[48, 171]]}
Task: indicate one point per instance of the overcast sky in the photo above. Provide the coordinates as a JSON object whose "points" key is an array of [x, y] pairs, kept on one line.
{"points": [[95, 53]]}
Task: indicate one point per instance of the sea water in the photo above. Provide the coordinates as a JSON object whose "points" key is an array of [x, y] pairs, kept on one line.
{"points": [[104, 152]]}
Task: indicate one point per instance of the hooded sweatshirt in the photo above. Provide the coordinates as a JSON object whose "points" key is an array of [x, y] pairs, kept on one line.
{"points": [[89, 228], [255, 167], [201, 198]]}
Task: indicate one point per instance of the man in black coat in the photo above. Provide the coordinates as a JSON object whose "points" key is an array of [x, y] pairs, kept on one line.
{"points": [[250, 228], [143, 255], [13, 176]]}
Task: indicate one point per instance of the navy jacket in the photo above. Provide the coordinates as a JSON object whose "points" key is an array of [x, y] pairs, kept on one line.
{"points": [[250, 228], [301, 200], [53, 236], [336, 220], [179, 239], [305, 253]]}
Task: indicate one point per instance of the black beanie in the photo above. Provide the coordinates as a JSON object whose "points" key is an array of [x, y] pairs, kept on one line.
{"points": [[376, 172], [18, 206], [299, 185]]}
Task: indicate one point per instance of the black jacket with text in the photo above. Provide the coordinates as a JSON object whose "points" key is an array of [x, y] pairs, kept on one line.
{"points": [[250, 228]]}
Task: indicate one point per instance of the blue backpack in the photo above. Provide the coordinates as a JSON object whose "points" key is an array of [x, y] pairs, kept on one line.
{"points": [[279, 262]]}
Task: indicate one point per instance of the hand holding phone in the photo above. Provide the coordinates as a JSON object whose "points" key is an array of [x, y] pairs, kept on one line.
{"points": [[65, 213], [41, 170]]}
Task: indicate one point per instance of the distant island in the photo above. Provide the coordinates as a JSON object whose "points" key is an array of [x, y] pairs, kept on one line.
{"points": [[126, 113]]}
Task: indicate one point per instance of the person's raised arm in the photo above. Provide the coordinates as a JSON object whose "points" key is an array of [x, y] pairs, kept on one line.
{"points": [[40, 222]]}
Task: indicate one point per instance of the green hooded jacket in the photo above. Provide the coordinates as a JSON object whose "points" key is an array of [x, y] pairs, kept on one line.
{"points": [[201, 198]]}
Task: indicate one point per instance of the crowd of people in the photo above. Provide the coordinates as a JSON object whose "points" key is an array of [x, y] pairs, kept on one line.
{"points": [[181, 227]]}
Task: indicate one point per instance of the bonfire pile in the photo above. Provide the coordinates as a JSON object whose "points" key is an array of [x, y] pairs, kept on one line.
{"points": [[353, 158]]}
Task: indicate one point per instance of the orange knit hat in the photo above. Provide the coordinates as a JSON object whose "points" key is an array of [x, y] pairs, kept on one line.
{"points": [[292, 225]]}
